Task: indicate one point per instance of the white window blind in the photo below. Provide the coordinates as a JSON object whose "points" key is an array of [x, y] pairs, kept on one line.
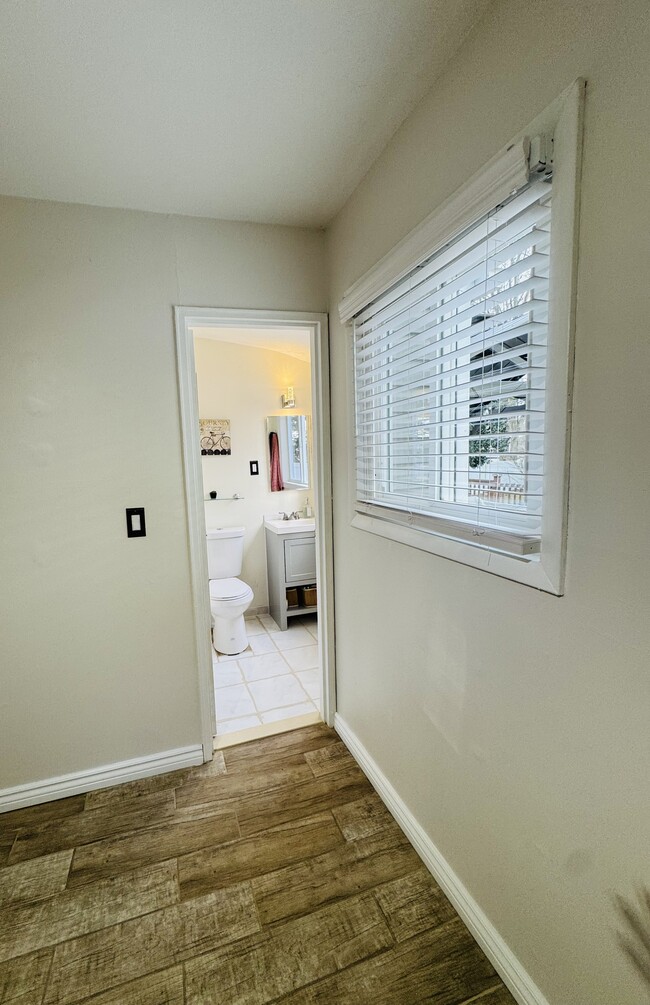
{"points": [[450, 382]]}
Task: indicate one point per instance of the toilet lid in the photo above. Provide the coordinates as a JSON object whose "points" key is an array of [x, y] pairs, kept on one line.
{"points": [[228, 589]]}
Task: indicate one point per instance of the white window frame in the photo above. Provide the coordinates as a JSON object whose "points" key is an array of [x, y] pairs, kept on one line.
{"points": [[563, 120]]}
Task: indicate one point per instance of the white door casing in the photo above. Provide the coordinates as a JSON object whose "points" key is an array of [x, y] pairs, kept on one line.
{"points": [[186, 319]]}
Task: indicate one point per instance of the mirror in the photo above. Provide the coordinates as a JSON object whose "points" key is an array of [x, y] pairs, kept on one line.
{"points": [[288, 451]]}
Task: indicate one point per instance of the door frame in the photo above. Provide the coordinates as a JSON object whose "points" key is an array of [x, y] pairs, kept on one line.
{"points": [[187, 318]]}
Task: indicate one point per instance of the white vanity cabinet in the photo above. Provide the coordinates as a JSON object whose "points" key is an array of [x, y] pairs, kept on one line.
{"points": [[290, 564]]}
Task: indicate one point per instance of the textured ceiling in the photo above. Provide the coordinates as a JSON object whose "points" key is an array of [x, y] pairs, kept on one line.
{"points": [[265, 110]]}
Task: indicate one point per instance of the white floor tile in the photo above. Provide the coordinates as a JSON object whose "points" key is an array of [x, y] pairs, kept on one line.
{"points": [[269, 623], [253, 627], [276, 692], [226, 674], [310, 622], [266, 665], [262, 644], [238, 656], [304, 658], [311, 681], [233, 702], [292, 638], [290, 712], [258, 685], [245, 722]]}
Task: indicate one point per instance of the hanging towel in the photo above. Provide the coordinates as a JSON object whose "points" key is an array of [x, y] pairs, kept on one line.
{"points": [[277, 485]]}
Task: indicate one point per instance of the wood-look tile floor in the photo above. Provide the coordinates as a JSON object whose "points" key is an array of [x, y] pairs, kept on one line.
{"points": [[274, 874]]}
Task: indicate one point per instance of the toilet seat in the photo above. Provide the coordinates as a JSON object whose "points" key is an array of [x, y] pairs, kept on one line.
{"points": [[229, 589]]}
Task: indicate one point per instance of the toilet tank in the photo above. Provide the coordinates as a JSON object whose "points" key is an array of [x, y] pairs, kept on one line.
{"points": [[225, 551]]}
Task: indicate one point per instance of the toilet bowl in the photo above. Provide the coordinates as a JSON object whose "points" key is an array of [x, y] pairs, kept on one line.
{"points": [[229, 597], [229, 600]]}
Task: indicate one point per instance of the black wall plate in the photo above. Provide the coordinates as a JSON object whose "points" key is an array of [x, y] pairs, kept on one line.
{"points": [[135, 526]]}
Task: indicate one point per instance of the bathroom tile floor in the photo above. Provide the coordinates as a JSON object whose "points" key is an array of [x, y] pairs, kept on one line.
{"points": [[278, 677]]}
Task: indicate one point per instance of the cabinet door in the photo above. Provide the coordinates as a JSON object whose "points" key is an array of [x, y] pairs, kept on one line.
{"points": [[300, 560]]}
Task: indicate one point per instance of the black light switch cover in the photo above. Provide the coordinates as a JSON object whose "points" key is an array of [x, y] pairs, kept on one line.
{"points": [[255, 468], [135, 526]]}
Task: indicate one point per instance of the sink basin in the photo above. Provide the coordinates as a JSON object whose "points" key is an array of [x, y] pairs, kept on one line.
{"points": [[303, 526]]}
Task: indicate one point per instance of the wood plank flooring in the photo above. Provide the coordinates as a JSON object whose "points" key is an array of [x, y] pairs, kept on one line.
{"points": [[274, 874]]}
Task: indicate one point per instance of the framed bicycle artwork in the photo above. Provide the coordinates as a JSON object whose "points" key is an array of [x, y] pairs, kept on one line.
{"points": [[214, 436]]}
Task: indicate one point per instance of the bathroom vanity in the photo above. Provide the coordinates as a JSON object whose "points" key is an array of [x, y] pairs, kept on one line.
{"points": [[290, 568]]}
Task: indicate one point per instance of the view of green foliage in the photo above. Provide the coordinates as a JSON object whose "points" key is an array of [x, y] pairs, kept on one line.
{"points": [[488, 440]]}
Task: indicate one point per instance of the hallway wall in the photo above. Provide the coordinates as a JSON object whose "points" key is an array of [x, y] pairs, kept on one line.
{"points": [[98, 659], [514, 724]]}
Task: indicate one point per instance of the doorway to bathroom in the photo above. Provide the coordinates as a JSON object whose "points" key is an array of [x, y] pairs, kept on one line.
{"points": [[254, 398]]}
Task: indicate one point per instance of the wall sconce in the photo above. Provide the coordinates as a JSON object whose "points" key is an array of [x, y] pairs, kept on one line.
{"points": [[288, 400]]}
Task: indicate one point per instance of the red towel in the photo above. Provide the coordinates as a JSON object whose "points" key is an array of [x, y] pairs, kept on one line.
{"points": [[276, 474]]}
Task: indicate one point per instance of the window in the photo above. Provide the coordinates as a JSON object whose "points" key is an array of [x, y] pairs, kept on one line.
{"points": [[462, 367]]}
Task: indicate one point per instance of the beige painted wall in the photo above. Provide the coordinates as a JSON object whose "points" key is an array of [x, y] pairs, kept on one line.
{"points": [[98, 660], [244, 384], [514, 724]]}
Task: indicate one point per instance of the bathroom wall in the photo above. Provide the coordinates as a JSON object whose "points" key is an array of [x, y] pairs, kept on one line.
{"points": [[514, 724], [97, 657], [243, 383]]}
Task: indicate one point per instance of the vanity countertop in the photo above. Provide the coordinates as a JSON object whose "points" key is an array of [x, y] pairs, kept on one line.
{"points": [[281, 527]]}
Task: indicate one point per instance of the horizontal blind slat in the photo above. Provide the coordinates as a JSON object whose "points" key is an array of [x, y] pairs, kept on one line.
{"points": [[480, 278], [470, 390], [484, 340], [450, 367], [461, 326], [414, 376], [469, 249]]}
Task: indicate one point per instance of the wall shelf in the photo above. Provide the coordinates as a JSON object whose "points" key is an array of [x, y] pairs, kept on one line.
{"points": [[223, 499]]}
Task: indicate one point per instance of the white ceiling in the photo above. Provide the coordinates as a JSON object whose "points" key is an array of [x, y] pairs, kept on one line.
{"points": [[265, 110], [291, 341]]}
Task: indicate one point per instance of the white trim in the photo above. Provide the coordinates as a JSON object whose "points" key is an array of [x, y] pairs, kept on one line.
{"points": [[484, 190], [189, 410], [506, 964], [225, 740], [567, 135], [529, 572], [322, 462], [508, 541], [544, 571], [190, 317], [99, 778]]}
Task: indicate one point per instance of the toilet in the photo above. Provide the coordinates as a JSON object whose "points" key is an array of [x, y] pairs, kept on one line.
{"points": [[229, 596]]}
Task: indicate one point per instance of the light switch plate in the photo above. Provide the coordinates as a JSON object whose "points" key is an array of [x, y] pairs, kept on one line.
{"points": [[255, 467], [135, 526]]}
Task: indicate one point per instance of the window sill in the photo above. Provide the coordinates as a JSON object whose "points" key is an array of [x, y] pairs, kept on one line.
{"points": [[529, 571]]}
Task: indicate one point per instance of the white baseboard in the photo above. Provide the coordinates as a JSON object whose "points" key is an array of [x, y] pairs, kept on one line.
{"points": [[99, 778], [506, 964]]}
